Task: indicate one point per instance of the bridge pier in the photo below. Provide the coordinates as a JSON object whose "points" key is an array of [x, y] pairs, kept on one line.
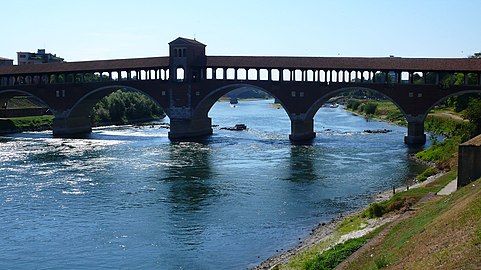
{"points": [[69, 126], [302, 130], [415, 134], [181, 129]]}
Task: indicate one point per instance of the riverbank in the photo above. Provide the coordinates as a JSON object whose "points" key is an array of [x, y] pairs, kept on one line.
{"points": [[45, 122], [354, 225], [28, 123]]}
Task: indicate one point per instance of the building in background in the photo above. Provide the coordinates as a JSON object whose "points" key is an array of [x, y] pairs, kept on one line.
{"points": [[6, 62], [25, 58]]}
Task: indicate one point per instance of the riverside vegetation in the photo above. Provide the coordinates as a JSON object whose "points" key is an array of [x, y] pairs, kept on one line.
{"points": [[432, 228]]}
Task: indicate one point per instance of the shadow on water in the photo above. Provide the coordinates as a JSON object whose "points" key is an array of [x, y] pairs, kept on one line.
{"points": [[189, 174], [301, 164]]}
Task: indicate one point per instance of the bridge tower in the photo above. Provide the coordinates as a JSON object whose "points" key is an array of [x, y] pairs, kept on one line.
{"points": [[187, 65], [187, 60]]}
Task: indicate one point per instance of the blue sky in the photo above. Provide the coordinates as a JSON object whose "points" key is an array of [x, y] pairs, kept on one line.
{"points": [[109, 29]]}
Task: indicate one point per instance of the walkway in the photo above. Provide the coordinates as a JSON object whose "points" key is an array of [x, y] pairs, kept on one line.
{"points": [[449, 188]]}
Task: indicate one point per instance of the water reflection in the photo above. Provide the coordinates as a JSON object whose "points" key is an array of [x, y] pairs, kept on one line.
{"points": [[189, 173], [301, 164]]}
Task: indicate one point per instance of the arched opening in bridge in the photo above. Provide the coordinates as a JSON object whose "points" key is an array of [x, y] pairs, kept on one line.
{"points": [[107, 106], [246, 111], [123, 106], [21, 110], [456, 116], [353, 112]]}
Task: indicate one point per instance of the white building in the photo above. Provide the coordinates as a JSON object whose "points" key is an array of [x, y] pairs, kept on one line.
{"points": [[25, 58]]}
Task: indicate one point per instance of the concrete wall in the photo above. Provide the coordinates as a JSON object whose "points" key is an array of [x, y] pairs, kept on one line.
{"points": [[469, 161]]}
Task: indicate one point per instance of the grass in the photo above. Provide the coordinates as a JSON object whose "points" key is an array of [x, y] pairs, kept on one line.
{"points": [[443, 233], [354, 223], [426, 173], [443, 154], [26, 123], [399, 202]]}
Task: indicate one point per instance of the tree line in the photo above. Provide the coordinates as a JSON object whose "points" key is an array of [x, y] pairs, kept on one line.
{"points": [[123, 107]]}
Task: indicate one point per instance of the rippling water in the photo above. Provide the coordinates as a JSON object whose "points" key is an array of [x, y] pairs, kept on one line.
{"points": [[128, 198]]}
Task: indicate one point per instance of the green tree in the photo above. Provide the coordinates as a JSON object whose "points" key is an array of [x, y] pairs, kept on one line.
{"points": [[122, 106], [117, 108], [473, 114]]}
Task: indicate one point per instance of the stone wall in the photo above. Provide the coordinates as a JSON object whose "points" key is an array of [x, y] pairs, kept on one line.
{"points": [[469, 161]]}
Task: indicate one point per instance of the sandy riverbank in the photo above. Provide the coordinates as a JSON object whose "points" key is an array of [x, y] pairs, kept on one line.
{"points": [[326, 232]]}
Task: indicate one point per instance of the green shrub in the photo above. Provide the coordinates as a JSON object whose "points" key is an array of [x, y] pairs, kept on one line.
{"points": [[428, 172], [353, 104], [449, 127], [370, 107], [376, 210], [330, 258], [441, 151]]}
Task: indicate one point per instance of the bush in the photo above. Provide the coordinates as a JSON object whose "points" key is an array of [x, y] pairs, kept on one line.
{"points": [[449, 127], [370, 107], [330, 258], [440, 152], [428, 172], [353, 104], [376, 210]]}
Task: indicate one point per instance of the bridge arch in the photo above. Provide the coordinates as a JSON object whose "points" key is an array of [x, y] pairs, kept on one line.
{"points": [[319, 102], [415, 129], [7, 94], [196, 122], [76, 120], [459, 93], [203, 107], [85, 104]]}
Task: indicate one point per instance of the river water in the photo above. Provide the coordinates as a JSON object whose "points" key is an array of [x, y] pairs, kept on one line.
{"points": [[128, 198]]}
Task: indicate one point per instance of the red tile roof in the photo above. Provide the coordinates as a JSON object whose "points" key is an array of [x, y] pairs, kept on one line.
{"points": [[348, 63], [341, 63], [93, 66]]}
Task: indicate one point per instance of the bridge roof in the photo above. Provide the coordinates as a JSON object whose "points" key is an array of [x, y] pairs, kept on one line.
{"points": [[348, 63], [86, 66], [275, 62]]}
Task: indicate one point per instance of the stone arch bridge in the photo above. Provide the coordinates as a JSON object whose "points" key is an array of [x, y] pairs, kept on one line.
{"points": [[187, 83]]}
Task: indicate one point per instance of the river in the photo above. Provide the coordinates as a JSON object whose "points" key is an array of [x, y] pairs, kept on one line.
{"points": [[128, 198]]}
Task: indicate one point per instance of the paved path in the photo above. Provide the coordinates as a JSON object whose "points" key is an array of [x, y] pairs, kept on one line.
{"points": [[449, 188]]}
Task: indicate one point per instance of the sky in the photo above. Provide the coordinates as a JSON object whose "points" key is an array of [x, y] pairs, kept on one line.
{"points": [[81, 30]]}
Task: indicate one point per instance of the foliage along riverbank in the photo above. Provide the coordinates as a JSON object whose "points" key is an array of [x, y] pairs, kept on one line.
{"points": [[28, 123], [118, 108]]}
